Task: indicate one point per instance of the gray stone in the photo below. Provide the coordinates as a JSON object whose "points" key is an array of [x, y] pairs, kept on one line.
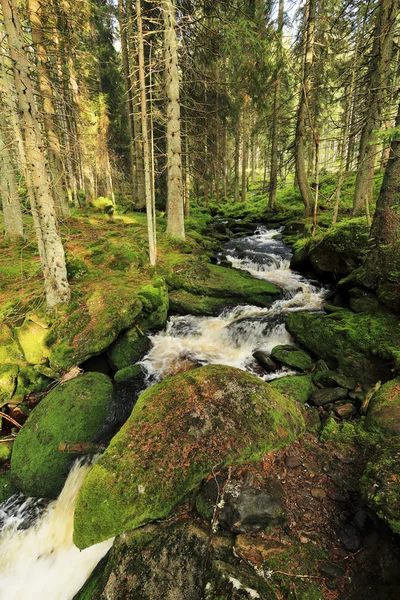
{"points": [[327, 395]]}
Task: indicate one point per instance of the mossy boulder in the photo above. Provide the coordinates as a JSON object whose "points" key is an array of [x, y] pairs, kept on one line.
{"points": [[10, 351], [184, 303], [232, 286], [103, 204], [8, 382], [155, 304], [75, 411], [178, 431], [384, 409], [365, 347], [130, 347], [380, 485], [292, 356], [336, 253], [31, 337], [334, 379], [7, 488], [295, 387]]}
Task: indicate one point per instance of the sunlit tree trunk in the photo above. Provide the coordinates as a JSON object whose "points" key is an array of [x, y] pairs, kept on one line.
{"points": [[236, 162], [50, 246], [273, 182], [175, 219], [13, 224]]}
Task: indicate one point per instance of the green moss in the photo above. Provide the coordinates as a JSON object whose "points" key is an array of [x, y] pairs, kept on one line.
{"points": [[178, 431], [74, 411], [291, 356], [155, 304], [130, 347], [185, 303], [384, 409], [363, 346], [32, 339], [10, 351], [295, 387], [7, 488], [103, 204], [8, 381], [30, 381], [134, 372], [76, 267]]}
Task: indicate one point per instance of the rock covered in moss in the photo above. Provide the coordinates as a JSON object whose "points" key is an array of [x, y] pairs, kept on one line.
{"points": [[384, 409], [292, 356], [74, 411], [295, 387], [30, 380], [380, 485], [10, 351], [129, 348], [178, 431], [185, 303], [155, 304], [333, 379], [7, 488], [32, 339], [363, 346], [8, 382]]}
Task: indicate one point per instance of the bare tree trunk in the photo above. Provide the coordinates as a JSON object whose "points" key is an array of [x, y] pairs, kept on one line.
{"points": [[145, 139], [175, 219], [301, 175], [13, 224], [377, 81], [236, 166], [244, 149], [273, 182], [52, 252]]}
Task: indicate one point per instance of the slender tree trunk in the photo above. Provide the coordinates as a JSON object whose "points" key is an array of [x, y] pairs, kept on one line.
{"points": [[386, 17], [13, 224], [175, 219], [236, 165], [301, 175], [187, 177], [273, 182], [244, 149], [52, 255], [58, 177], [145, 139]]}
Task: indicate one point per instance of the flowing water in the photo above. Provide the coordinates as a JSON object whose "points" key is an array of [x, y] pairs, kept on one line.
{"points": [[38, 560], [232, 337]]}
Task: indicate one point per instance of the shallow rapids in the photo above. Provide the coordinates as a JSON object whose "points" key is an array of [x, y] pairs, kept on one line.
{"points": [[38, 560], [232, 337]]}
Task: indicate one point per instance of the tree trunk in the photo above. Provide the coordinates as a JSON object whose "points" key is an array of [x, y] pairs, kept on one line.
{"points": [[301, 175], [244, 149], [237, 160], [377, 82], [13, 225], [145, 139], [175, 219], [273, 182], [50, 246]]}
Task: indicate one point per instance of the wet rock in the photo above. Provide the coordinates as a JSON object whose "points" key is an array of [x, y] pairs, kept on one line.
{"points": [[333, 379], [327, 396], [129, 348], [350, 538], [265, 361], [346, 411], [208, 416], [292, 356], [321, 366], [331, 569]]}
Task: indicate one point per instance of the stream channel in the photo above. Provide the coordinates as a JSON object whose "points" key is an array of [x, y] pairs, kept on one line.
{"points": [[38, 560]]}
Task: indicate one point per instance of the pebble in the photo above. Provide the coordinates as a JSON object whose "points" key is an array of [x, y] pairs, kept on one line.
{"points": [[292, 462], [318, 493]]}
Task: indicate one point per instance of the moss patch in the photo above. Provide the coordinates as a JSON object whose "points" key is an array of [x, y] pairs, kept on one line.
{"points": [[295, 387], [291, 356], [74, 411], [185, 303], [32, 339], [7, 488], [178, 431], [130, 347], [366, 347], [384, 409], [8, 381]]}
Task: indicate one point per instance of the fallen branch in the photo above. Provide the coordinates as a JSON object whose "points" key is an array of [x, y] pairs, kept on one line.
{"points": [[368, 396], [8, 418]]}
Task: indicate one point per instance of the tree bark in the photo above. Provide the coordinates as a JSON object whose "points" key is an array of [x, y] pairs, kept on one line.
{"points": [[301, 175], [175, 219], [49, 241], [244, 149], [377, 81], [13, 224], [273, 181]]}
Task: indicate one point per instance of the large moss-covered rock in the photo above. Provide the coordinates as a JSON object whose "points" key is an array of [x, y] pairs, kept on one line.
{"points": [[291, 356], [185, 303], [334, 379], [30, 380], [8, 382], [130, 347], [178, 431], [155, 303], [10, 351], [75, 411], [363, 346], [295, 387], [380, 484], [201, 279], [335, 254], [32, 339], [384, 409]]}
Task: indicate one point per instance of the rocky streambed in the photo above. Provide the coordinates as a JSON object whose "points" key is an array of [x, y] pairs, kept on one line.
{"points": [[220, 485]]}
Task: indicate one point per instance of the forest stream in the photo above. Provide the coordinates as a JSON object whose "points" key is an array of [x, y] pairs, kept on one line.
{"points": [[37, 557]]}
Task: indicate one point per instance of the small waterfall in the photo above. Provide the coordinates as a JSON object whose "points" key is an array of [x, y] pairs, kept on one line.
{"points": [[233, 336], [38, 560]]}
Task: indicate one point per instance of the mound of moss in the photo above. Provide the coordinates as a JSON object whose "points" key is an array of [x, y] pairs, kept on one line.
{"points": [[363, 346], [185, 303], [291, 356], [177, 432], [8, 382], [295, 387], [129, 347], [384, 409], [75, 411], [7, 488]]}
